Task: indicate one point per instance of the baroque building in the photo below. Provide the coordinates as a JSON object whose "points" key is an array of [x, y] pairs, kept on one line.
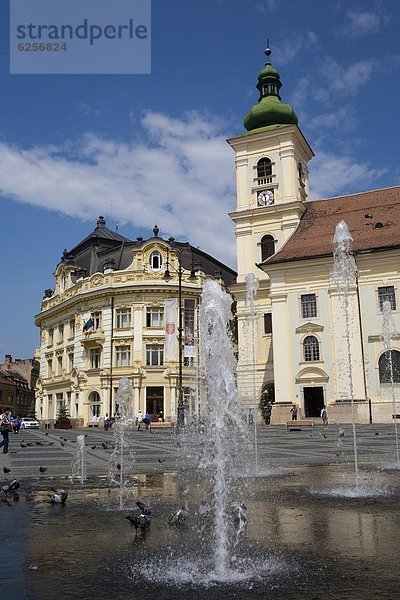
{"points": [[116, 311], [21, 375], [296, 349]]}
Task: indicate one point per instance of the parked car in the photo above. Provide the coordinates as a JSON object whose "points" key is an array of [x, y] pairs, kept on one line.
{"points": [[28, 423]]}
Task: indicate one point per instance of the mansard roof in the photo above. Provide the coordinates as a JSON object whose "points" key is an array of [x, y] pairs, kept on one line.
{"points": [[373, 219]]}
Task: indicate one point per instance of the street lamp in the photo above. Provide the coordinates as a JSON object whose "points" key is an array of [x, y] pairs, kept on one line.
{"points": [[192, 277]]}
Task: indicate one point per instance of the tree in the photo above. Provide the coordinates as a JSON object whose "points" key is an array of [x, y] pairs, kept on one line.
{"points": [[63, 414]]}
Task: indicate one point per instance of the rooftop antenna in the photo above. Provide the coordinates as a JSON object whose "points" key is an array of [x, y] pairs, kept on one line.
{"points": [[267, 50]]}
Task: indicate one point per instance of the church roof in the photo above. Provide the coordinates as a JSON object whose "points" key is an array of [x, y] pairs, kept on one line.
{"points": [[373, 219]]}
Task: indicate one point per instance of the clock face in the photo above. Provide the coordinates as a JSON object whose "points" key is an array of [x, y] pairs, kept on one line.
{"points": [[265, 197]]}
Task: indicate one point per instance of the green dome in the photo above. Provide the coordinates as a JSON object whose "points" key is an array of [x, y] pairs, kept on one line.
{"points": [[269, 110]]}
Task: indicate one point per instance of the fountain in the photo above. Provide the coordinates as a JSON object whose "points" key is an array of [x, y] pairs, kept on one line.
{"points": [[251, 291], [79, 465], [344, 276], [388, 332], [122, 457]]}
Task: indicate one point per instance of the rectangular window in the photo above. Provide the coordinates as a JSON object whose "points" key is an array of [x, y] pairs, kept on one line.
{"points": [[388, 294], [49, 367], [59, 365], [51, 336], [96, 318], [123, 320], [308, 306], [61, 333], [122, 356], [154, 355], [268, 323], [95, 358], [71, 329], [154, 316], [70, 361]]}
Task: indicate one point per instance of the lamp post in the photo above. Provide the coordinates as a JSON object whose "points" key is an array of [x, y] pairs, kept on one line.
{"points": [[180, 423]]}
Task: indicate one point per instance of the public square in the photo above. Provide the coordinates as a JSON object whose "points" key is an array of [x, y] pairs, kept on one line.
{"points": [[307, 539]]}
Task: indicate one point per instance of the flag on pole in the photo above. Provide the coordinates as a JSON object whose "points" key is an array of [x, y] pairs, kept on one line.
{"points": [[89, 323]]}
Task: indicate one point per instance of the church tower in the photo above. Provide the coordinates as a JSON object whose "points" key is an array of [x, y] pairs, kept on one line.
{"points": [[272, 188], [271, 175]]}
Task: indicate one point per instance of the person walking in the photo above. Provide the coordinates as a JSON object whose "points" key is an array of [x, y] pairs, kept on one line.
{"points": [[139, 419], [5, 428], [324, 417], [250, 417], [294, 412]]}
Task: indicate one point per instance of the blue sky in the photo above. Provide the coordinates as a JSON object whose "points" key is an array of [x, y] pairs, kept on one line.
{"points": [[145, 149]]}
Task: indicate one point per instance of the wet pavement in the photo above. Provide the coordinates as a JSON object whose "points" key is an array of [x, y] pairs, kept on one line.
{"points": [[306, 537]]}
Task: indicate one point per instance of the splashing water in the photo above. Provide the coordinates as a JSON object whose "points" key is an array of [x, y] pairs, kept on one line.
{"points": [[388, 332], [252, 284], [227, 433], [122, 456], [79, 465], [344, 276]]}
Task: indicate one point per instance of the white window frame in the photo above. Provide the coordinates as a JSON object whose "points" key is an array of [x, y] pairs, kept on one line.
{"points": [[123, 317]]}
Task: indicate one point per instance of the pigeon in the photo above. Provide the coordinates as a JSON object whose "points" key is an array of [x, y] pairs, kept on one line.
{"points": [[161, 460], [65, 440], [145, 508], [46, 433], [341, 432], [104, 445], [43, 469], [240, 514], [11, 487], [179, 517], [93, 447], [22, 445], [118, 466], [59, 497], [6, 470], [62, 444], [139, 521]]}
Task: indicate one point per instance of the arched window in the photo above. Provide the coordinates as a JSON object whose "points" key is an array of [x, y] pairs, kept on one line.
{"points": [[389, 367], [267, 247], [311, 348], [264, 168], [155, 260], [94, 400]]}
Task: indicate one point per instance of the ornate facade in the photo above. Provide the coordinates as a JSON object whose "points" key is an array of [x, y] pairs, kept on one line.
{"points": [[114, 313]]}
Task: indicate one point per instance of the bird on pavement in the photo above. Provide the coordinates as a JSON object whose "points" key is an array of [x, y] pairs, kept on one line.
{"points": [[42, 469], [59, 497], [141, 521], [11, 487], [179, 517], [6, 470], [93, 447], [118, 466], [62, 444], [104, 445], [161, 460], [145, 508], [22, 445], [46, 433]]}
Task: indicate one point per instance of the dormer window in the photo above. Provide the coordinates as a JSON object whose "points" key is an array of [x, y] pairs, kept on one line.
{"points": [[155, 260]]}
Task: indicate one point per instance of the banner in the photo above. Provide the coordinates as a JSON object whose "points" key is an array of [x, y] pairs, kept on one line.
{"points": [[189, 351], [170, 329]]}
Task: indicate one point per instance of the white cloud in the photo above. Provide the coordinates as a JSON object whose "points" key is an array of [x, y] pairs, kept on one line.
{"points": [[348, 79], [179, 173], [332, 174], [291, 45], [361, 23]]}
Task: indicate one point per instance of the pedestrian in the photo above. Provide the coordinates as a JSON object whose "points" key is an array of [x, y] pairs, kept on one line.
{"points": [[324, 417], [139, 419], [5, 428], [146, 420], [17, 424], [106, 423], [294, 412], [250, 417]]}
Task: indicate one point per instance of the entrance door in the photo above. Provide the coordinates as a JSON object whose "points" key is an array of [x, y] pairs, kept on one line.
{"points": [[155, 402], [313, 401]]}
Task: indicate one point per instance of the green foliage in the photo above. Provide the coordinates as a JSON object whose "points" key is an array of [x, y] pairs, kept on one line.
{"points": [[32, 411], [62, 413]]}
